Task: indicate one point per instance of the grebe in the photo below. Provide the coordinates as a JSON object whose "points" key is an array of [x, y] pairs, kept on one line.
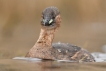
{"points": [[45, 49]]}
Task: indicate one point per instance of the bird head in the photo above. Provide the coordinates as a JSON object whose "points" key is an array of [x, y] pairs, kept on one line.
{"points": [[51, 17]]}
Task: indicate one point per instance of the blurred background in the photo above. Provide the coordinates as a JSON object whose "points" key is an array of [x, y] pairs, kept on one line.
{"points": [[83, 24]]}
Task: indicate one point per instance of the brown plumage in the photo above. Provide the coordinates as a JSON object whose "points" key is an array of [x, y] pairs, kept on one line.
{"points": [[44, 48]]}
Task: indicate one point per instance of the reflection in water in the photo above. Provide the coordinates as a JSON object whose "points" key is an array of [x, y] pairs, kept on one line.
{"points": [[47, 65]]}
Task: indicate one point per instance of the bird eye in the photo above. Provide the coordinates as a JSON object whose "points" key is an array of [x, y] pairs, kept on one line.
{"points": [[53, 17]]}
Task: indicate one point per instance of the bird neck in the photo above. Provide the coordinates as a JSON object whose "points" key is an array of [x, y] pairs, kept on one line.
{"points": [[46, 37], [47, 34]]}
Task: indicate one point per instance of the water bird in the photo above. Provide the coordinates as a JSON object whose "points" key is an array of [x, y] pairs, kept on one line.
{"points": [[44, 48]]}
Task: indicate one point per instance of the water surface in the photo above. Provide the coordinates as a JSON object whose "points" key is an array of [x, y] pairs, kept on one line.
{"points": [[37, 65]]}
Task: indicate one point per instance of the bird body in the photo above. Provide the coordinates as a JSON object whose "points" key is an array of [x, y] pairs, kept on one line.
{"points": [[45, 49]]}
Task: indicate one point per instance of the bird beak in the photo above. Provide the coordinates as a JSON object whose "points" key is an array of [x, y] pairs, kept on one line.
{"points": [[50, 21], [47, 21]]}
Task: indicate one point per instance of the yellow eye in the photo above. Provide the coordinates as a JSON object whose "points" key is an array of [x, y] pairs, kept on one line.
{"points": [[50, 21]]}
